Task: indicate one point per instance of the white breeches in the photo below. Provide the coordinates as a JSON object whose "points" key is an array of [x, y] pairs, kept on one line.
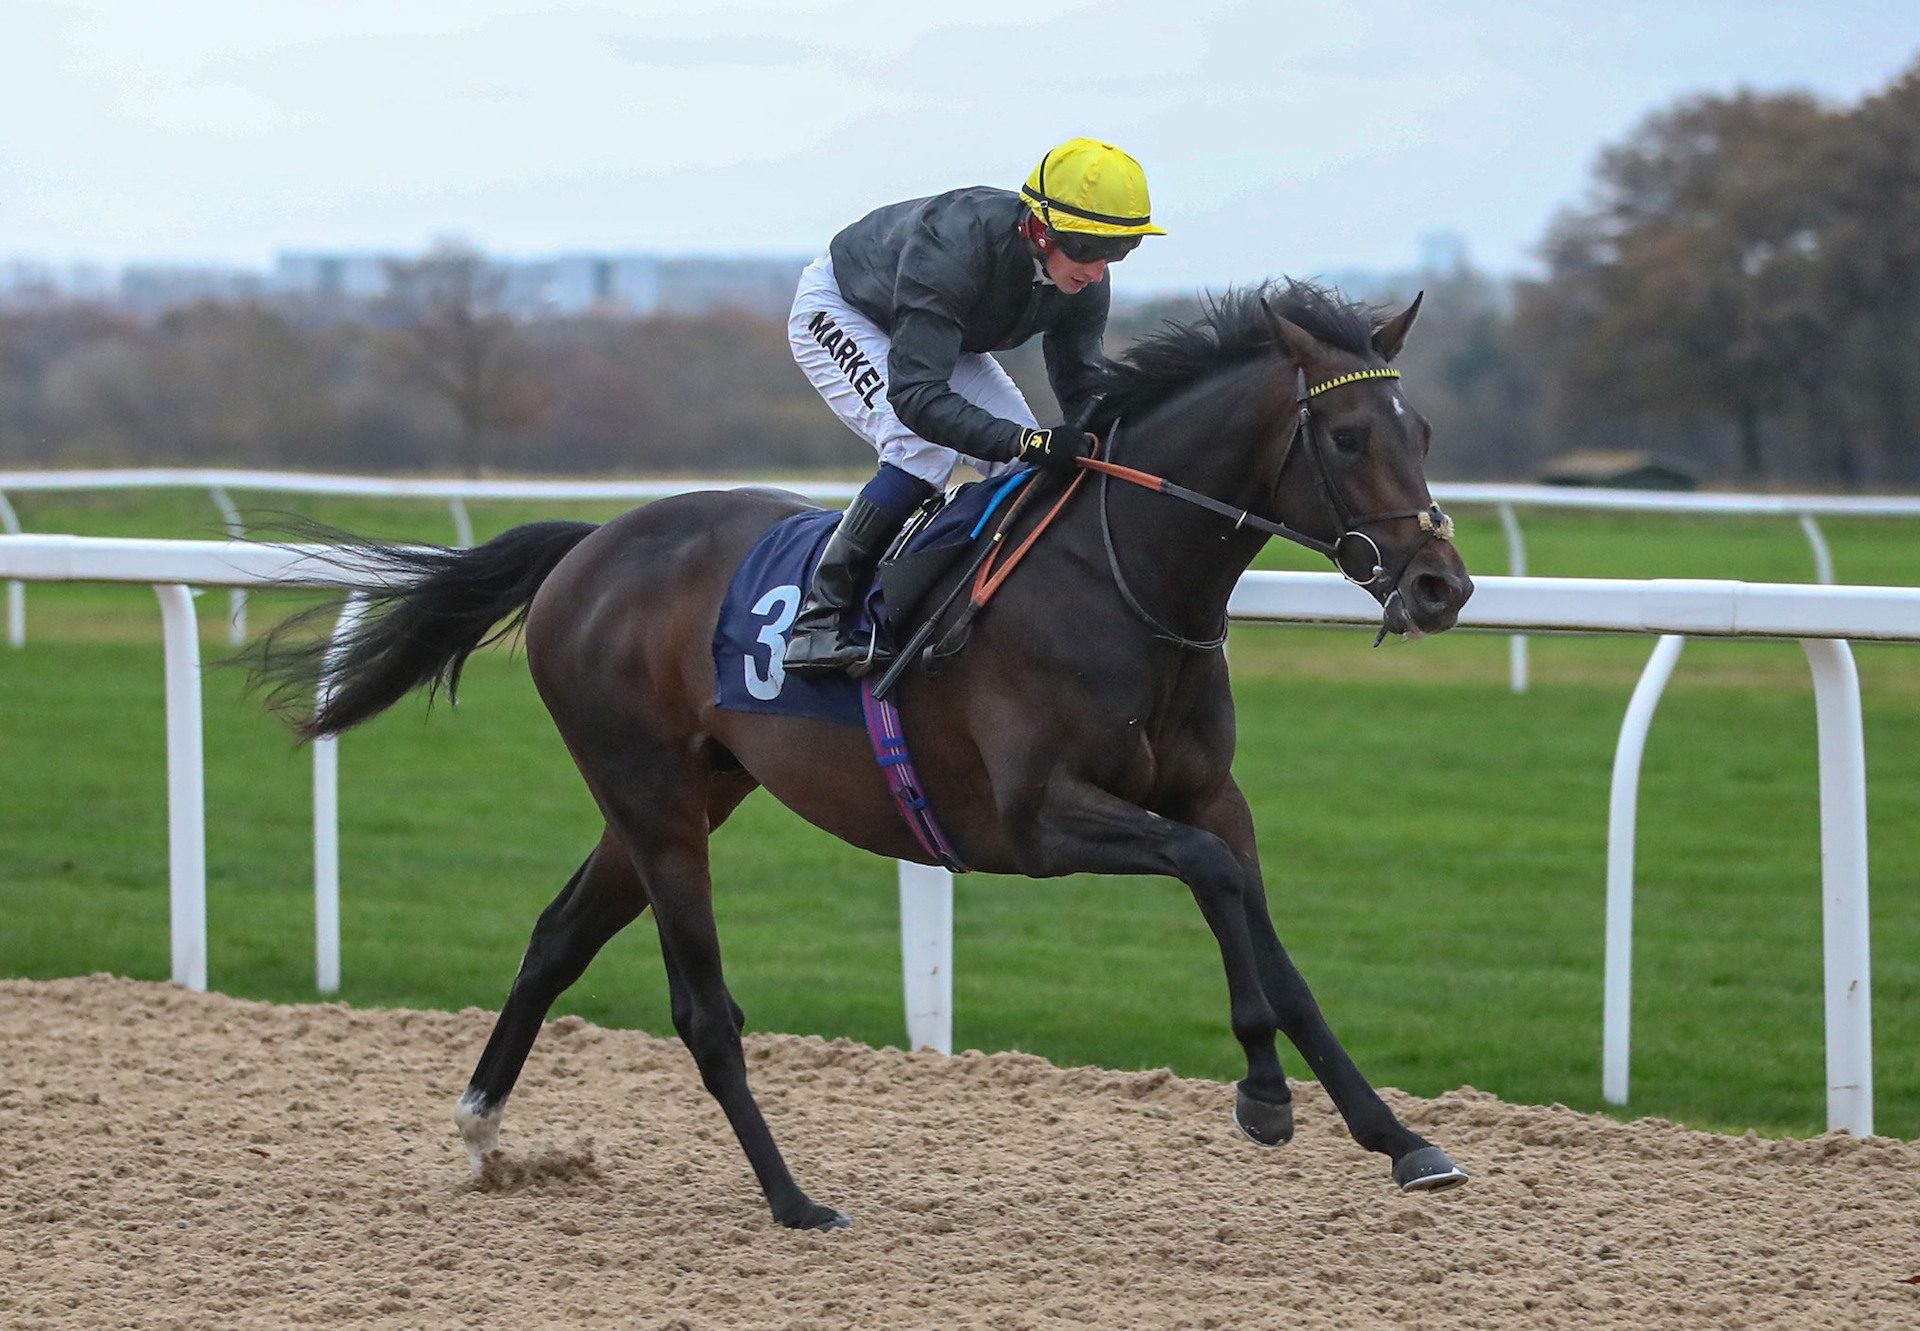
{"points": [[844, 356]]}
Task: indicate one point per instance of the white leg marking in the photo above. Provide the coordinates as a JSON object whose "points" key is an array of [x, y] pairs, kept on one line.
{"points": [[479, 1127]]}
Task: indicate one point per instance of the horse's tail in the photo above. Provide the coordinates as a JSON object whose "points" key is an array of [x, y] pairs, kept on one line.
{"points": [[433, 609]]}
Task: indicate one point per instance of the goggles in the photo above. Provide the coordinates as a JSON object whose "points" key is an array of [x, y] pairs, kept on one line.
{"points": [[1081, 247]]}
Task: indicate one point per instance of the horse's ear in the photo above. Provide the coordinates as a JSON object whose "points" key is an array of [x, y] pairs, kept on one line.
{"points": [[1390, 336], [1297, 343]]}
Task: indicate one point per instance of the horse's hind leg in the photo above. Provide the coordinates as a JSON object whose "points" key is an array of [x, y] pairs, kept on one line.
{"points": [[604, 896]]}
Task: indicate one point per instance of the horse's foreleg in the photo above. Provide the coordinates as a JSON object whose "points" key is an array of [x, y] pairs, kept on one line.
{"points": [[1418, 1165], [1084, 829], [603, 897]]}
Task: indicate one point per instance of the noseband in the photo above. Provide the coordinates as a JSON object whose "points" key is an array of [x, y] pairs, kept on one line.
{"points": [[1434, 522]]}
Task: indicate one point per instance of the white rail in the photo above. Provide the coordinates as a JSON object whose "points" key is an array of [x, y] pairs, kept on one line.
{"points": [[1820, 617], [389, 487], [1503, 498], [398, 487], [456, 493]]}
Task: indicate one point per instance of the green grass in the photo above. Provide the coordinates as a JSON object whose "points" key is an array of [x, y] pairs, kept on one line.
{"points": [[1435, 846]]}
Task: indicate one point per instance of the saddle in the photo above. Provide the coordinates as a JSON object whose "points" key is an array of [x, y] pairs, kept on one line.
{"points": [[966, 525], [963, 528]]}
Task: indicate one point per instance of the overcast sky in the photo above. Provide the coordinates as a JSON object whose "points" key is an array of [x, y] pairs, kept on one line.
{"points": [[1298, 137]]}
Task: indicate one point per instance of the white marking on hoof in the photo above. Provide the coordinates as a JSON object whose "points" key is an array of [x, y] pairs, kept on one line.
{"points": [[479, 1128], [1437, 1182]]}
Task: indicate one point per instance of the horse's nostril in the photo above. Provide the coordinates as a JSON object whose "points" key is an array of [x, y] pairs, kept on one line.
{"points": [[1434, 597], [1431, 591]]}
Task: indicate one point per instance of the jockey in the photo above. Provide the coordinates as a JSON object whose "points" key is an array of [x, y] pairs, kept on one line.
{"points": [[893, 325]]}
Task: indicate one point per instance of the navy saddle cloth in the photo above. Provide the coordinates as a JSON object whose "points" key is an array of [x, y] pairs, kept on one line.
{"points": [[772, 581]]}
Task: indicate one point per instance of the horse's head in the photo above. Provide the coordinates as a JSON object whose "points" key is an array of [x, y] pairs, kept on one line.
{"points": [[1353, 475]]}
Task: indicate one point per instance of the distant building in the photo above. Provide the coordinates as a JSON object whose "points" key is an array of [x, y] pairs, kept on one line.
{"points": [[643, 285], [571, 285], [152, 289], [1619, 469], [753, 286], [333, 276], [25, 284], [626, 285], [1443, 252], [33, 284]]}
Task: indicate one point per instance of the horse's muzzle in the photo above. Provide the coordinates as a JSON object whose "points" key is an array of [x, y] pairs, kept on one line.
{"points": [[1430, 592]]}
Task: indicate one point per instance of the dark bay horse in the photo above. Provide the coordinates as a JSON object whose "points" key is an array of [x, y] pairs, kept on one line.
{"points": [[1087, 728]]}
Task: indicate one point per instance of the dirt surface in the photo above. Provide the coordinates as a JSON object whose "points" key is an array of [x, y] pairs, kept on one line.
{"points": [[183, 1160]]}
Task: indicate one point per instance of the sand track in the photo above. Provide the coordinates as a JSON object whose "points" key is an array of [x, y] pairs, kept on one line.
{"points": [[186, 1160]]}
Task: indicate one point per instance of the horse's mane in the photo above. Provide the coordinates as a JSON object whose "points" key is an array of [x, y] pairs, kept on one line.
{"points": [[1230, 329]]}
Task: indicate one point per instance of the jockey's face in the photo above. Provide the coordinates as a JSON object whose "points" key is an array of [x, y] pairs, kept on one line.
{"points": [[1072, 276]]}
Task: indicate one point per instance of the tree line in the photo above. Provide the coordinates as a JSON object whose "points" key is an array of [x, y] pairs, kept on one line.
{"points": [[1739, 289]]}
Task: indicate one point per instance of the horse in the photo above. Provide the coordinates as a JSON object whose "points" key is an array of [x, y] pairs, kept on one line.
{"points": [[1088, 727]]}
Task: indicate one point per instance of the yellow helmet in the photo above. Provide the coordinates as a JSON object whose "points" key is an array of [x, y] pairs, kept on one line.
{"points": [[1091, 187]]}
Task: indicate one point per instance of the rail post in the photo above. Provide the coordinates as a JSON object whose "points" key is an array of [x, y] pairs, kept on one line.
{"points": [[1516, 567], [16, 590], [326, 814], [926, 954], [1616, 1021], [236, 596], [186, 788], [1843, 884]]}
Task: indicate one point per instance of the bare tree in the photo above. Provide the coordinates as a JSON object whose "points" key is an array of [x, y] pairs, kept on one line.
{"points": [[454, 337]]}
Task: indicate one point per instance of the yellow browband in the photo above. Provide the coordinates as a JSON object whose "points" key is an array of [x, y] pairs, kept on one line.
{"points": [[1354, 377]]}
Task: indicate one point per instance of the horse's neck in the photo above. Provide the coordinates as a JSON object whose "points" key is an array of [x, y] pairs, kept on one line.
{"points": [[1216, 435], [1221, 438]]}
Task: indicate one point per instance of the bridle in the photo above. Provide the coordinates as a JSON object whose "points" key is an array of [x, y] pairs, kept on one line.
{"points": [[1434, 522]]}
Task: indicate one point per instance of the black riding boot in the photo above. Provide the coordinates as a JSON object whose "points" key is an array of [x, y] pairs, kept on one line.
{"points": [[823, 639]]}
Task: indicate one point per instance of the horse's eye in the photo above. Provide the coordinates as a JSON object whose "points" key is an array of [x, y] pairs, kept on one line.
{"points": [[1350, 439]]}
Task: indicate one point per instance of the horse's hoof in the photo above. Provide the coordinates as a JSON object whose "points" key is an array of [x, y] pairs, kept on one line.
{"points": [[479, 1129], [815, 1216], [1262, 1121], [1427, 1170]]}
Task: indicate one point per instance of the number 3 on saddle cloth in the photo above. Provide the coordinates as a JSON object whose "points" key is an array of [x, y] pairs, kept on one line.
{"points": [[751, 637]]}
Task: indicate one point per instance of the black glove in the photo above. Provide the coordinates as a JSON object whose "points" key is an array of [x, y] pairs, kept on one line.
{"points": [[1056, 449]]}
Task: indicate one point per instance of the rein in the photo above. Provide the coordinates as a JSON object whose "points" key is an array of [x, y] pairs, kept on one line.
{"points": [[1241, 517], [1433, 519]]}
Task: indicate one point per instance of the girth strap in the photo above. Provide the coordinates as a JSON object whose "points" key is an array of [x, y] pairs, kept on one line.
{"points": [[889, 741]]}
